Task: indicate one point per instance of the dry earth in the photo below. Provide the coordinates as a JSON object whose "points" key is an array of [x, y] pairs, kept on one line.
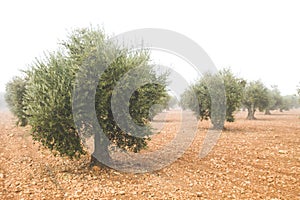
{"points": [[252, 160]]}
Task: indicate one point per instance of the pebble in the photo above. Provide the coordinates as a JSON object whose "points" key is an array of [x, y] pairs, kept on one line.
{"points": [[282, 151], [199, 194]]}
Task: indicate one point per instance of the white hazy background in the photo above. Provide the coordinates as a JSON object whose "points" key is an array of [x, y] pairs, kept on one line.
{"points": [[257, 39]]}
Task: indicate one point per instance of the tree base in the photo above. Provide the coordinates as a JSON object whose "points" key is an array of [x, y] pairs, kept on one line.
{"points": [[251, 112], [218, 128], [95, 162], [251, 118], [267, 112]]}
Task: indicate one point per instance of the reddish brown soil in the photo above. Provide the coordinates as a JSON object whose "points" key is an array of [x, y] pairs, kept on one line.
{"points": [[252, 160]]}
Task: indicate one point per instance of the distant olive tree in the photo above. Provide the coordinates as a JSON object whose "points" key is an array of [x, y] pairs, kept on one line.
{"points": [[234, 87], [275, 100], [255, 98], [3, 104], [209, 87], [298, 90], [14, 97], [200, 96], [290, 102], [173, 102]]}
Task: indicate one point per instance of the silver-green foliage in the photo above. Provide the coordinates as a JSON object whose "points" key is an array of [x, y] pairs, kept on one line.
{"points": [[51, 82], [48, 104]]}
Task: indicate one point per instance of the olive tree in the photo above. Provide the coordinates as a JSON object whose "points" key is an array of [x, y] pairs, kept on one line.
{"points": [[255, 97], [209, 87], [290, 102], [275, 100], [50, 93], [14, 97], [234, 87]]}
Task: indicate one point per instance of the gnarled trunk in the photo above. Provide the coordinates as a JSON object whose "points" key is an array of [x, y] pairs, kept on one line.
{"points": [[101, 152], [251, 112], [267, 112]]}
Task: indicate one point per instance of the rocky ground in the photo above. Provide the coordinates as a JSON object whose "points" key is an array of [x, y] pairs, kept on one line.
{"points": [[252, 160]]}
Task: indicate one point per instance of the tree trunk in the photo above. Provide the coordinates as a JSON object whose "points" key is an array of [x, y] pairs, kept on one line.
{"points": [[101, 152], [267, 112], [251, 112], [218, 126]]}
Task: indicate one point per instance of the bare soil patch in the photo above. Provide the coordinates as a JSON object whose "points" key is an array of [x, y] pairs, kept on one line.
{"points": [[252, 160]]}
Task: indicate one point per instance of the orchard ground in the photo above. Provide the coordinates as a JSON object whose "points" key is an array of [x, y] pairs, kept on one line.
{"points": [[257, 159]]}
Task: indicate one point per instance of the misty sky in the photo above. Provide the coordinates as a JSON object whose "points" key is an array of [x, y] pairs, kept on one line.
{"points": [[257, 39]]}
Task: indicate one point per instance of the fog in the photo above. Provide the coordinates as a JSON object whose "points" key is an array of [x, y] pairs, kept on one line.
{"points": [[3, 105]]}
